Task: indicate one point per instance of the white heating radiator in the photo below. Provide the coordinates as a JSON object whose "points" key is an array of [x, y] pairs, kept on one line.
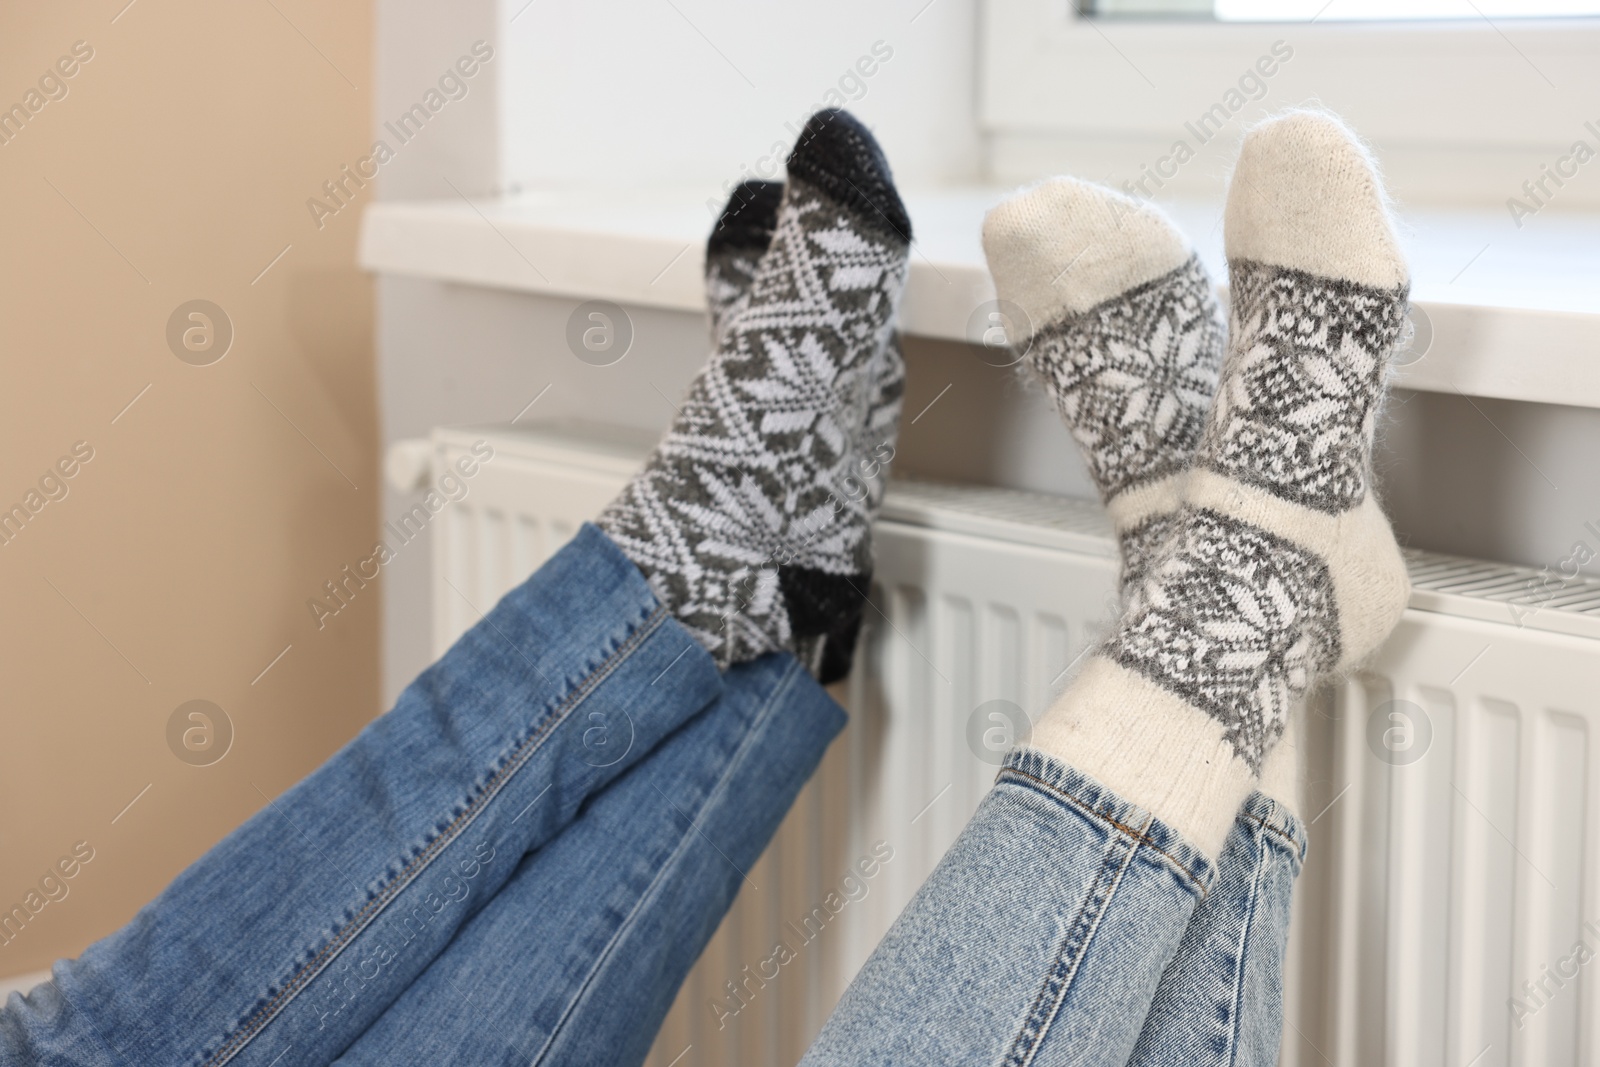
{"points": [[1436, 886]]}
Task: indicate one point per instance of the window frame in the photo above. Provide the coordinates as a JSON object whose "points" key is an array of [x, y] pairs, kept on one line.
{"points": [[1465, 84]]}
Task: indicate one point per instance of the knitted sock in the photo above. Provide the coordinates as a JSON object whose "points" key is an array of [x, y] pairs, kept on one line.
{"points": [[738, 241], [1283, 771], [733, 253], [736, 519], [1126, 337], [1281, 568]]}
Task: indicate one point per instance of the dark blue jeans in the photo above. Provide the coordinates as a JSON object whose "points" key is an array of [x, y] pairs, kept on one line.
{"points": [[521, 861]]}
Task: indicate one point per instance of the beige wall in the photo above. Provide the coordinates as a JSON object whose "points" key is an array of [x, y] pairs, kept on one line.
{"points": [[179, 562]]}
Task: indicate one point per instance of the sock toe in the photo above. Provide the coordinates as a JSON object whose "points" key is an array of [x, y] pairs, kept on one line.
{"points": [[839, 156], [748, 219], [1067, 245], [1306, 195]]}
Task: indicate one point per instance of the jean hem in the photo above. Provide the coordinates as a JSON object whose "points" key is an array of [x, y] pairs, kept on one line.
{"points": [[1278, 821], [1067, 783]]}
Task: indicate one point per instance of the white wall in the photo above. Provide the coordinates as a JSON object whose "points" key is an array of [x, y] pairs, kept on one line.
{"points": [[693, 91]]}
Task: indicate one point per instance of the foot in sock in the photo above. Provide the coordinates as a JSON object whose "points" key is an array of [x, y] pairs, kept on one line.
{"points": [[733, 255], [733, 251], [740, 238], [1125, 335], [737, 519], [1281, 567]]}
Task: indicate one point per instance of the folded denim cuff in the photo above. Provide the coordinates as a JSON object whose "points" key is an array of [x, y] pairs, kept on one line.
{"points": [[1083, 792], [1283, 826]]}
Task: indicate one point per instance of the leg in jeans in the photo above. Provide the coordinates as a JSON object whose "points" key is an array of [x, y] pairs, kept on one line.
{"points": [[309, 921], [1042, 937], [1220, 1000], [298, 930], [1056, 877], [1129, 346], [1038, 939], [579, 957]]}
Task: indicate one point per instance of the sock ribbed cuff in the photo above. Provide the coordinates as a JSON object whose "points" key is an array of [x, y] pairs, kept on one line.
{"points": [[1282, 773], [1151, 748]]}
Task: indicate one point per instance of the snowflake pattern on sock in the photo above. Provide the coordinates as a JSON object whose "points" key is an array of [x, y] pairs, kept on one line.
{"points": [[747, 480], [1303, 381], [1134, 377], [1235, 621], [733, 256]]}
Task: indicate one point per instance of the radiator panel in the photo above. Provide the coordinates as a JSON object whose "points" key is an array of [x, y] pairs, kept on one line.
{"points": [[1435, 887]]}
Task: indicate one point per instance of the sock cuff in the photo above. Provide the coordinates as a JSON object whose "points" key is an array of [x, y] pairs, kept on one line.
{"points": [[1150, 748], [1282, 776]]}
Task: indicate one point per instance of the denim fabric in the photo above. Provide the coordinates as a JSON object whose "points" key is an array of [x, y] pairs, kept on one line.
{"points": [[579, 957], [1220, 1001], [520, 862], [1039, 939], [293, 935]]}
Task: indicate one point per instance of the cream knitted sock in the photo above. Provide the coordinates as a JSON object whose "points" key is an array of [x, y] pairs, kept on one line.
{"points": [[1283, 770], [1281, 568], [1125, 335]]}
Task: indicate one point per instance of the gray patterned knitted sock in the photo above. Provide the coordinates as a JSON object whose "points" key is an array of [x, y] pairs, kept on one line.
{"points": [[733, 254], [1125, 334], [736, 519], [733, 251], [1282, 567]]}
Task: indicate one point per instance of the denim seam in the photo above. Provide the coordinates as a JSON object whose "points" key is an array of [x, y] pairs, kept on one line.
{"points": [[1288, 839], [1138, 835], [763, 716], [1069, 956], [1246, 935], [311, 969]]}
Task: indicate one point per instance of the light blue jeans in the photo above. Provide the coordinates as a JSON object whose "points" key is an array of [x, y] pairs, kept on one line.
{"points": [[1067, 926], [522, 860]]}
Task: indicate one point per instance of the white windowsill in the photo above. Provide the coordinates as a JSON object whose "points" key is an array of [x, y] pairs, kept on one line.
{"points": [[1515, 313]]}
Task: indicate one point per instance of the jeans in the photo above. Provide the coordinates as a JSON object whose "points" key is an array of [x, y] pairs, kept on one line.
{"points": [[1068, 927], [1220, 1001], [521, 861], [422, 868]]}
